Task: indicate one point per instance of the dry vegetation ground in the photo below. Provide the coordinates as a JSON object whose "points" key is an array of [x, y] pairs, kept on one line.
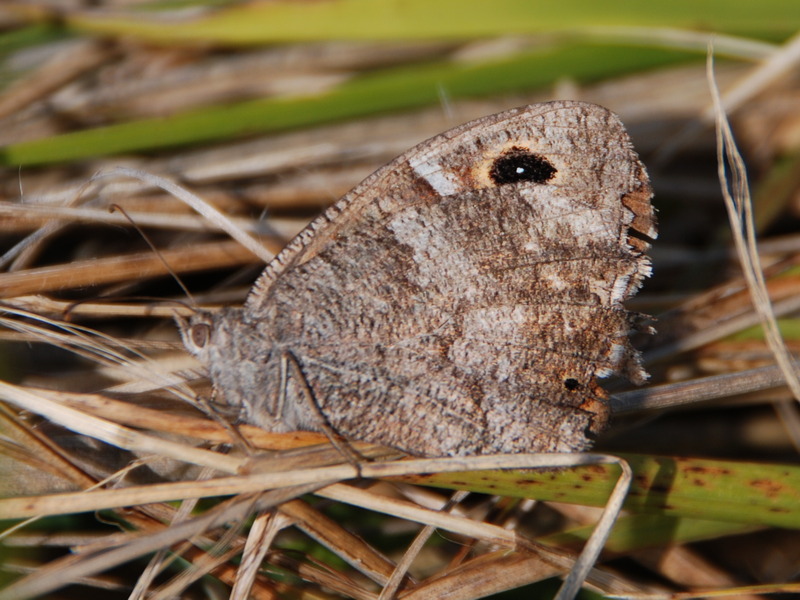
{"points": [[89, 341]]}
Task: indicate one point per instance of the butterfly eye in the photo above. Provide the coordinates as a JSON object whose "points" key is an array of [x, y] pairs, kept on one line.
{"points": [[520, 164], [200, 334]]}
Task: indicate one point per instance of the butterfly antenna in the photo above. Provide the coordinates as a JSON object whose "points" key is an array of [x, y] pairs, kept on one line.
{"points": [[186, 291]]}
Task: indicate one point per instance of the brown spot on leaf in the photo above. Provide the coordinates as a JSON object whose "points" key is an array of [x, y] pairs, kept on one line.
{"points": [[768, 487]]}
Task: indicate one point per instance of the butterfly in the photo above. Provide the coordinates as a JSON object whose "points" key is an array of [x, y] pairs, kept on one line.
{"points": [[463, 299]]}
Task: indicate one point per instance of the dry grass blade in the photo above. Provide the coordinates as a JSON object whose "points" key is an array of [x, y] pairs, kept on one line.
{"points": [[116, 435], [736, 192], [52, 578], [776, 65], [349, 547], [259, 540], [696, 391], [210, 213], [723, 311], [22, 507], [123, 268], [412, 552]]}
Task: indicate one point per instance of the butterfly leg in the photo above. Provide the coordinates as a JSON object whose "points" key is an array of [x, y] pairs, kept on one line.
{"points": [[209, 407], [290, 367], [284, 382]]}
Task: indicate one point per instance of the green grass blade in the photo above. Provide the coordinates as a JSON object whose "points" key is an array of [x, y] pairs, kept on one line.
{"points": [[394, 89], [789, 328], [634, 532], [289, 20], [716, 490]]}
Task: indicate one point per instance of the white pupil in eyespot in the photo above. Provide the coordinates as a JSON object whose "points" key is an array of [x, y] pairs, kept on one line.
{"points": [[520, 170]]}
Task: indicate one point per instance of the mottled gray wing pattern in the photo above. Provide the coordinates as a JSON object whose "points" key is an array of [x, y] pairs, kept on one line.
{"points": [[463, 299]]}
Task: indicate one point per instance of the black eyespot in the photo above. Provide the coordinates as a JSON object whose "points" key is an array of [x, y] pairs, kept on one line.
{"points": [[520, 164], [200, 334], [571, 384]]}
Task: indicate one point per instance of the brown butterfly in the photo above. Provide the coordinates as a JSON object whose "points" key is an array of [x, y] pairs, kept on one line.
{"points": [[463, 299]]}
